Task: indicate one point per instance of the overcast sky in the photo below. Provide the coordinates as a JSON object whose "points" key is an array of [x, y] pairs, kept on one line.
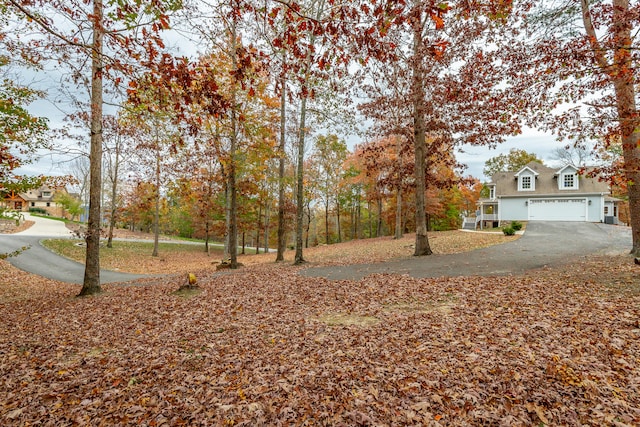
{"points": [[532, 141], [538, 143]]}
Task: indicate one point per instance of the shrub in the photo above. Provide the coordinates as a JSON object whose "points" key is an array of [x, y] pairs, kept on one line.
{"points": [[516, 225], [41, 211], [508, 231]]}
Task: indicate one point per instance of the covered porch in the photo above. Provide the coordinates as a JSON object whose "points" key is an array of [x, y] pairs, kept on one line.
{"points": [[486, 216]]}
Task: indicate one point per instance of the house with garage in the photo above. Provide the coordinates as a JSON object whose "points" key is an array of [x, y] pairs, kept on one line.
{"points": [[541, 193]]}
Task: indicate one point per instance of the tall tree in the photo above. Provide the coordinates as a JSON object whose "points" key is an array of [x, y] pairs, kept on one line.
{"points": [[584, 54], [444, 88], [91, 33]]}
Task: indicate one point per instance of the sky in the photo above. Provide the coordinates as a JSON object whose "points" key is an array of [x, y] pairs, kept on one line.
{"points": [[539, 143], [533, 141]]}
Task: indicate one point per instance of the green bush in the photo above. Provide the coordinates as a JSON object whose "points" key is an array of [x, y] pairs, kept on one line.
{"points": [[516, 225], [41, 211], [508, 231]]}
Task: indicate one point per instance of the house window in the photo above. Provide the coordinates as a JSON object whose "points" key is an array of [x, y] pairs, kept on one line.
{"points": [[48, 204], [33, 204], [606, 210], [492, 192], [46, 193], [526, 183], [569, 180]]}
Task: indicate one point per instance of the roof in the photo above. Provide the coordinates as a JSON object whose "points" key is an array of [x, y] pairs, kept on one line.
{"points": [[546, 182], [37, 195]]}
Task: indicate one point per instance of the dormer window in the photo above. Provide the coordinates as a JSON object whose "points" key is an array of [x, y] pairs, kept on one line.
{"points": [[46, 193], [568, 178], [492, 192], [526, 179]]}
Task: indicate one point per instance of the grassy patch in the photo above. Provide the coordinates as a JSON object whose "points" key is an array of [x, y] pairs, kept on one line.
{"points": [[443, 305], [188, 293], [135, 257], [55, 218], [342, 319]]}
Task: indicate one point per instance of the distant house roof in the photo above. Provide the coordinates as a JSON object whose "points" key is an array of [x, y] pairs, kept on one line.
{"points": [[546, 182], [42, 194]]}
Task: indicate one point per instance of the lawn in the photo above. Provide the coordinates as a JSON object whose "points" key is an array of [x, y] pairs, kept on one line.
{"points": [[135, 257], [266, 346]]}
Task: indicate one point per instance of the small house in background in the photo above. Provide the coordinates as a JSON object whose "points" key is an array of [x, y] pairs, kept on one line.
{"points": [[38, 200], [540, 193]]}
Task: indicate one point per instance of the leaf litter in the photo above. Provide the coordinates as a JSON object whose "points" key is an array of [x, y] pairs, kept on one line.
{"points": [[555, 347]]}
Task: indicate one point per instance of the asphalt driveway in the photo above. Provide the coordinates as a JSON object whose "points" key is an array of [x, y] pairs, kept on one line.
{"points": [[41, 261], [543, 244]]}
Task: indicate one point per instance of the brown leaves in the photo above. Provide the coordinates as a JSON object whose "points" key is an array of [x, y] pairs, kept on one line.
{"points": [[250, 349]]}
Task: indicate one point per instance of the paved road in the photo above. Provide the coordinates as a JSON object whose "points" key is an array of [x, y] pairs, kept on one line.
{"points": [[41, 261], [543, 244]]}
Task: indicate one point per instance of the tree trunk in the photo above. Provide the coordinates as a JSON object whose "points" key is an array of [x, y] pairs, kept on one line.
{"points": [[282, 244], [206, 236], [359, 218], [114, 191], [398, 234], [267, 221], [622, 76], [624, 85], [258, 229], [352, 217], [326, 221], [419, 128], [306, 240], [156, 213], [91, 282], [227, 219], [300, 183], [379, 227], [370, 221], [233, 196], [338, 218]]}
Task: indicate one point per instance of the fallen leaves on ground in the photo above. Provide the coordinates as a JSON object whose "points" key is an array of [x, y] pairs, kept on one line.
{"points": [[12, 229], [266, 346]]}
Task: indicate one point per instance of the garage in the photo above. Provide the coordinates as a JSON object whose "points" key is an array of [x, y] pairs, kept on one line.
{"points": [[557, 209]]}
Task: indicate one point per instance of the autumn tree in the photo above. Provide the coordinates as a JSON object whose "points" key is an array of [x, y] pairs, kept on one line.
{"points": [[453, 86], [102, 36], [328, 156], [21, 133], [580, 79], [117, 134], [515, 160], [157, 139]]}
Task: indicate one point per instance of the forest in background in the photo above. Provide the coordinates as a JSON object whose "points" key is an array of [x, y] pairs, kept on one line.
{"points": [[243, 137]]}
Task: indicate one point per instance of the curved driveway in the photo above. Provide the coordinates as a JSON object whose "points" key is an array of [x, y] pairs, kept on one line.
{"points": [[41, 261], [543, 244]]}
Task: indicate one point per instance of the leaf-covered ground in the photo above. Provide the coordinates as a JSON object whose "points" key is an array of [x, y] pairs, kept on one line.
{"points": [[265, 346]]}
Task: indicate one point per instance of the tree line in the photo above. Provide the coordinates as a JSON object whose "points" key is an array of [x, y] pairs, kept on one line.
{"points": [[273, 76]]}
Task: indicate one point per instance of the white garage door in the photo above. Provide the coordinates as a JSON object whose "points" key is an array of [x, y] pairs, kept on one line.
{"points": [[558, 210]]}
